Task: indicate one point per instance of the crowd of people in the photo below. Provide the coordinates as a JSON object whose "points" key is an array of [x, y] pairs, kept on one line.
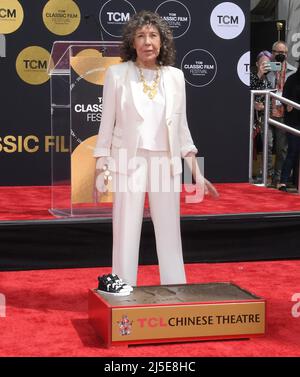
{"points": [[283, 170]]}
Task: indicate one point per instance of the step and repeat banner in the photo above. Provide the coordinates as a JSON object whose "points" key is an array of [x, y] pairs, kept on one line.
{"points": [[212, 42]]}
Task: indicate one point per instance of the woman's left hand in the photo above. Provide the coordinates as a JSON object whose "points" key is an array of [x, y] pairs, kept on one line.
{"points": [[209, 189]]}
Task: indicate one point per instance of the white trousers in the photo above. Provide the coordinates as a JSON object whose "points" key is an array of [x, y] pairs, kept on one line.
{"points": [[128, 210]]}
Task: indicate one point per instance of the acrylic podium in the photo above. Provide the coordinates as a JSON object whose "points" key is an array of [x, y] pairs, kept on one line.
{"points": [[77, 70]]}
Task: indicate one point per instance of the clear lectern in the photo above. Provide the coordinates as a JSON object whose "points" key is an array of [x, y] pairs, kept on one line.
{"points": [[77, 70]]}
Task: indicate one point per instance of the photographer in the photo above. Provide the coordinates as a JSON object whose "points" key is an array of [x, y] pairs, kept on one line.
{"points": [[259, 81], [277, 139]]}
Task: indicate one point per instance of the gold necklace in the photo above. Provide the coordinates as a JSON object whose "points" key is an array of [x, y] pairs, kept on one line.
{"points": [[150, 90]]}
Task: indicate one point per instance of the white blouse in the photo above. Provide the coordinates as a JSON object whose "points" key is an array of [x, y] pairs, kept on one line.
{"points": [[153, 132]]}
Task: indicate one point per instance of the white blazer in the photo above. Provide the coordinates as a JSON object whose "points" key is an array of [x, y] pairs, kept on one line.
{"points": [[122, 117]]}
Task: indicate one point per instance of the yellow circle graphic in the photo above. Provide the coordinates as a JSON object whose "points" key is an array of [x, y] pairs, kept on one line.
{"points": [[32, 64], [83, 168], [61, 17], [11, 16], [90, 65]]}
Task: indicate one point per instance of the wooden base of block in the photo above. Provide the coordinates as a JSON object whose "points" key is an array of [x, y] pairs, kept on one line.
{"points": [[176, 313]]}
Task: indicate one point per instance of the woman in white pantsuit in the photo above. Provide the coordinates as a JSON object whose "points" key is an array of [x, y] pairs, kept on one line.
{"points": [[143, 136]]}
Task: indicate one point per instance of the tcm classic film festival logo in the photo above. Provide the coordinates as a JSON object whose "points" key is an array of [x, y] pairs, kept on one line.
{"points": [[61, 17], [177, 16], [89, 67], [200, 67]]}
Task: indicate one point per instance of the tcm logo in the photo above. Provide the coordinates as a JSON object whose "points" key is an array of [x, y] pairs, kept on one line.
{"points": [[35, 64], [8, 13], [243, 68], [11, 16], [2, 305], [114, 14], [32, 63], [228, 20], [296, 307], [118, 17]]}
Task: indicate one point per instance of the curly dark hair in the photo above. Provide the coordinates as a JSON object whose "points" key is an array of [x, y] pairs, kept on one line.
{"points": [[167, 51]]}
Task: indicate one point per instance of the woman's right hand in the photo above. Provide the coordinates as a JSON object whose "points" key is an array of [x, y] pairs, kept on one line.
{"points": [[99, 181], [263, 68]]}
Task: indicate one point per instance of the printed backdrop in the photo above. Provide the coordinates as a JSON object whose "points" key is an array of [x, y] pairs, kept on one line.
{"points": [[212, 42]]}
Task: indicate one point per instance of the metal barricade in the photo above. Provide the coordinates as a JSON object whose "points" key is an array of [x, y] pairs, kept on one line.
{"points": [[268, 120]]}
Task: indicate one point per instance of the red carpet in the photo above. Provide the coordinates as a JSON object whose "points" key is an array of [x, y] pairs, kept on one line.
{"points": [[47, 312], [32, 203]]}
